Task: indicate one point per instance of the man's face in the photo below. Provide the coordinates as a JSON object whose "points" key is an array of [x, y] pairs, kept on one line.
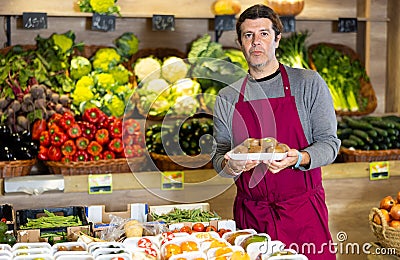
{"points": [[258, 41]]}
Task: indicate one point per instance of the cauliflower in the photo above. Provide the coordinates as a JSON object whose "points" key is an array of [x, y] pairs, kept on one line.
{"points": [[173, 69], [120, 74], [186, 87], [115, 105], [81, 94], [147, 68], [156, 86], [104, 80], [106, 58], [80, 66], [62, 41], [155, 105], [127, 44], [85, 81], [186, 105]]}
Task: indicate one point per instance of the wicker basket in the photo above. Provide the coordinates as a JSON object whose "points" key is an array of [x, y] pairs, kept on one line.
{"points": [[366, 90], [121, 165], [387, 236], [181, 162], [16, 168], [350, 155]]}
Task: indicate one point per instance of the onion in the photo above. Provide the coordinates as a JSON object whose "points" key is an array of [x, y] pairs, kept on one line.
{"points": [[395, 212], [387, 203]]}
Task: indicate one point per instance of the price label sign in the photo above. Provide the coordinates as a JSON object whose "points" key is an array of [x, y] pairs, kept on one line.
{"points": [[34, 21], [172, 180], [347, 25], [163, 22], [100, 183], [103, 22], [224, 23], [378, 170]]}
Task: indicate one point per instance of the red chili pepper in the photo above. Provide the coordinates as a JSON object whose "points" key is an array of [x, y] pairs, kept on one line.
{"points": [[102, 136], [88, 129], [54, 153], [115, 128], [38, 127], [54, 128], [67, 159], [131, 126], [54, 119], [68, 148], [67, 120], [82, 143], [74, 131], [94, 148], [95, 157], [44, 139], [81, 156], [92, 115], [116, 146], [108, 155], [58, 138], [43, 153]]}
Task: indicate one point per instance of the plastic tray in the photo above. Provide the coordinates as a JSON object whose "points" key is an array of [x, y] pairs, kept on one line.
{"points": [[257, 156]]}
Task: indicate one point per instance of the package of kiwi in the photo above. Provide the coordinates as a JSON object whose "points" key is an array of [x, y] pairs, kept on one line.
{"points": [[267, 148]]}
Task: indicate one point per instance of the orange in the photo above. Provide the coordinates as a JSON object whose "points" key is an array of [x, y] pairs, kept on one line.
{"points": [[223, 251], [187, 246], [238, 255], [172, 249], [221, 258], [217, 243]]}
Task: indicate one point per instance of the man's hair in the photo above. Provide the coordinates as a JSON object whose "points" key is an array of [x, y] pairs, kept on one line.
{"points": [[259, 11]]}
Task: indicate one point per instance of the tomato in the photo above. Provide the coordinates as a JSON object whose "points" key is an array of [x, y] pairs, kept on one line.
{"points": [[186, 229], [117, 258], [211, 228], [188, 246], [198, 227]]}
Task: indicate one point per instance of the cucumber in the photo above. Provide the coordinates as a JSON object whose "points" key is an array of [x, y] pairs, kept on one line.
{"points": [[342, 125], [362, 134], [371, 118], [372, 133], [349, 143], [382, 124], [381, 132], [344, 133], [357, 123], [392, 131], [392, 118], [359, 141]]}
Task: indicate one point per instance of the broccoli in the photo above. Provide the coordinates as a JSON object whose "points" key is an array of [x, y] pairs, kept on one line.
{"points": [[63, 42], [127, 44], [99, 6], [104, 80], [80, 66]]}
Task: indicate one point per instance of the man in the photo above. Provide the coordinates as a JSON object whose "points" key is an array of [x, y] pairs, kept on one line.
{"points": [[285, 198]]}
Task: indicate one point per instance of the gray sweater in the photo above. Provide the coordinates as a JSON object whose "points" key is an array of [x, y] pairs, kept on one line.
{"points": [[314, 104]]}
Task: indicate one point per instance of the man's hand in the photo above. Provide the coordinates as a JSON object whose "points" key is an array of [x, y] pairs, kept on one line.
{"points": [[289, 161], [236, 167]]}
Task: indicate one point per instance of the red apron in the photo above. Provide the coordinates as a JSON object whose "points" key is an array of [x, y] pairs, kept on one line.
{"points": [[290, 205]]}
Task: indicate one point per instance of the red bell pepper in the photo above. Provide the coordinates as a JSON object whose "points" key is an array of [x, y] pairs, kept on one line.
{"points": [[95, 157], [88, 129], [128, 140], [115, 128], [58, 138], [67, 120], [44, 139], [68, 148], [139, 150], [102, 136], [116, 145], [130, 126], [139, 139], [54, 128], [43, 153], [54, 153], [129, 151], [82, 143], [93, 115], [94, 148], [38, 127], [81, 156], [108, 155], [67, 159], [54, 119], [74, 131]]}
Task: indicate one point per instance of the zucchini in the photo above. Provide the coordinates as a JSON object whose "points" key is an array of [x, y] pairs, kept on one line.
{"points": [[372, 133], [371, 118], [392, 131], [362, 134], [342, 125], [357, 123], [392, 118], [348, 143]]}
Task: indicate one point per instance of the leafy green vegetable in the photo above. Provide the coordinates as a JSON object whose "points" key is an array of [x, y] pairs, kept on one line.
{"points": [[127, 44], [292, 50]]}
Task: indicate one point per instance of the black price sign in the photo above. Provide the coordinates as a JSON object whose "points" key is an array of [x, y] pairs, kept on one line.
{"points": [[224, 23], [163, 22], [347, 25], [289, 23], [34, 20], [103, 22]]}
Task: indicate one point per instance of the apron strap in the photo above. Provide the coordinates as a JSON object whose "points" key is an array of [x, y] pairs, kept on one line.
{"points": [[285, 80], [241, 94]]}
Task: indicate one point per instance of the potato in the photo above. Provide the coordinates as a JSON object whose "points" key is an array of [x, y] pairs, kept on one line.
{"points": [[133, 228]]}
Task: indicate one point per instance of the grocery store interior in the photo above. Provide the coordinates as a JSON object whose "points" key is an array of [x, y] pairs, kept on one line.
{"points": [[351, 192]]}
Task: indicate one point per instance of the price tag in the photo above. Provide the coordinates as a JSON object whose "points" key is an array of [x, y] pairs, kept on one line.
{"points": [[163, 22], [347, 25], [103, 22], [34, 20], [224, 23], [172, 180], [100, 183], [378, 170], [289, 23]]}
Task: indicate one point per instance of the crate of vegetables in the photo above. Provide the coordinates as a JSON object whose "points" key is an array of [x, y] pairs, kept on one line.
{"points": [[95, 143], [37, 225], [341, 68]]}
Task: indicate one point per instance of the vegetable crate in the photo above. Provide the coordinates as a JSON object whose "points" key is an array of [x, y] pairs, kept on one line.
{"points": [[181, 162], [55, 228], [16, 168], [7, 213]]}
